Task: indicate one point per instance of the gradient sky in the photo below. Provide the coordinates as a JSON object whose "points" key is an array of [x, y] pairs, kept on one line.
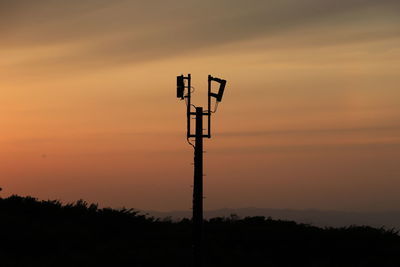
{"points": [[310, 118]]}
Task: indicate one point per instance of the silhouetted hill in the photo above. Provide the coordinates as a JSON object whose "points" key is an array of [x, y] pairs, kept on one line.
{"points": [[321, 218], [49, 233]]}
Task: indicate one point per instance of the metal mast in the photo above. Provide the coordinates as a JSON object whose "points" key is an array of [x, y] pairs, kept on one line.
{"points": [[197, 216]]}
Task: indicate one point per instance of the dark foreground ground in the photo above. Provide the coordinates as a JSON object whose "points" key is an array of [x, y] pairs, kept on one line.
{"points": [[48, 233]]}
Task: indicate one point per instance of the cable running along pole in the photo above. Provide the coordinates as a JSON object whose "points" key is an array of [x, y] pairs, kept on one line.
{"points": [[184, 93]]}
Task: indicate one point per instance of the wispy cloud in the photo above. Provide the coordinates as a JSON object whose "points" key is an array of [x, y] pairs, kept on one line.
{"points": [[286, 148], [122, 31], [309, 131]]}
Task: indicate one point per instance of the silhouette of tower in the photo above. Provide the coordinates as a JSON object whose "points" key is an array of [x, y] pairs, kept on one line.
{"points": [[184, 82]]}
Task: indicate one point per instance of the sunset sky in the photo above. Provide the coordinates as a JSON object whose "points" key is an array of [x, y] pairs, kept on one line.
{"points": [[310, 116]]}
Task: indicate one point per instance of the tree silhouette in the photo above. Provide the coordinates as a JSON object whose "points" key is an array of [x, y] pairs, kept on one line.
{"points": [[50, 233]]}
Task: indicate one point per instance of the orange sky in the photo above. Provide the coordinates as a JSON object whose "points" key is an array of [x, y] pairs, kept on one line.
{"points": [[309, 119]]}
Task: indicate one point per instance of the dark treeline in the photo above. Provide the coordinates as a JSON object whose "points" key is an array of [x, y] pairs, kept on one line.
{"points": [[49, 233]]}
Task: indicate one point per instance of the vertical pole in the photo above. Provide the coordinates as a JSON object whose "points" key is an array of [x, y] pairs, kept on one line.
{"points": [[198, 191], [189, 106], [209, 106]]}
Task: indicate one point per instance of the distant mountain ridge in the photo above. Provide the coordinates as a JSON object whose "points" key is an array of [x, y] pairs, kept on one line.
{"points": [[321, 218]]}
